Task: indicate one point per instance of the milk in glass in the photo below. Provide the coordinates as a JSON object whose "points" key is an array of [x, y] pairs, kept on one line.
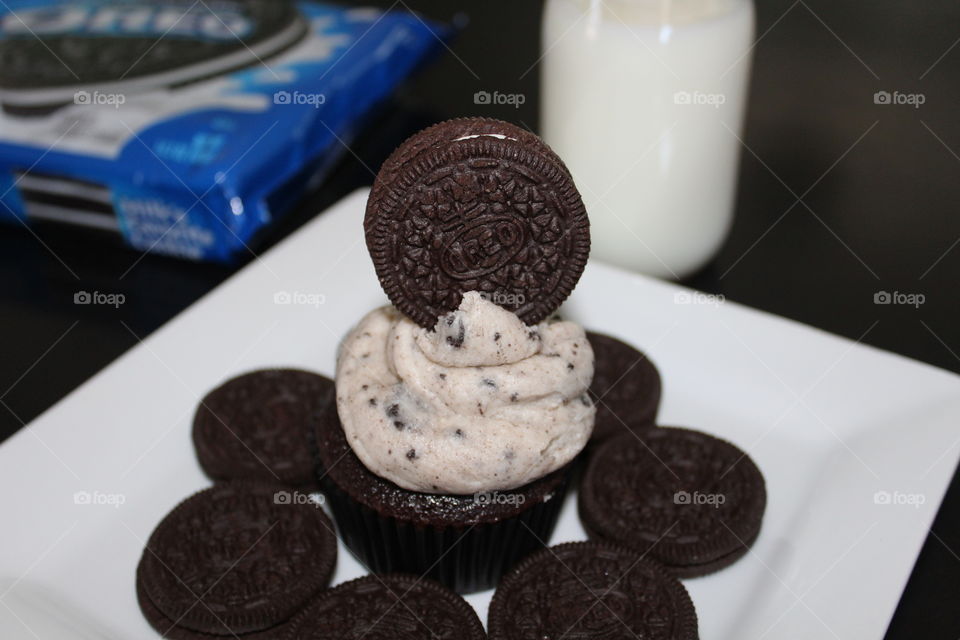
{"points": [[644, 101]]}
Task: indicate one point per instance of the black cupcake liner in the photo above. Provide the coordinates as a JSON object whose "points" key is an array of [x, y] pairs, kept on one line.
{"points": [[464, 558]]}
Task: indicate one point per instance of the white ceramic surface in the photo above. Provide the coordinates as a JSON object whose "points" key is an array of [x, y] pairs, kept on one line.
{"points": [[830, 423]]}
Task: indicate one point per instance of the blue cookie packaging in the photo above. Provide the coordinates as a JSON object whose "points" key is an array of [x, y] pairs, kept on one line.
{"points": [[186, 128]]}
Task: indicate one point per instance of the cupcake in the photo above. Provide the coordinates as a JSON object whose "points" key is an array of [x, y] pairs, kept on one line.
{"points": [[461, 406]]}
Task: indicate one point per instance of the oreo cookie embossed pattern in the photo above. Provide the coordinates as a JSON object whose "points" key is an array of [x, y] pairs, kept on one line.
{"points": [[476, 205], [692, 501]]}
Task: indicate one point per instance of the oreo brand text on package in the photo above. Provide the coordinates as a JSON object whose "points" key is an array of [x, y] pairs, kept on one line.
{"points": [[185, 127]]}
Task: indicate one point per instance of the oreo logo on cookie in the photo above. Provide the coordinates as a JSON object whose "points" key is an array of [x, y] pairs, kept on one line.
{"points": [[127, 20], [482, 247], [49, 54]]}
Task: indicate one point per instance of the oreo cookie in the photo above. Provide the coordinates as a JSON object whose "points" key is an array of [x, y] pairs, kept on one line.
{"points": [[476, 204], [690, 500], [51, 54], [168, 628], [237, 558], [256, 426], [590, 590], [388, 607], [625, 388]]}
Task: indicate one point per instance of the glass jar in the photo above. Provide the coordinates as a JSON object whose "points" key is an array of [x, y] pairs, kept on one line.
{"points": [[644, 100]]}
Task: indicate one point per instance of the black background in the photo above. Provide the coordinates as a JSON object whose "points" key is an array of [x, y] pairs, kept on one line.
{"points": [[879, 211]]}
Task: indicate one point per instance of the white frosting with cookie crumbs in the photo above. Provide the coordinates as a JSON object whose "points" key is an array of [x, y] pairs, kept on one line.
{"points": [[481, 403]]}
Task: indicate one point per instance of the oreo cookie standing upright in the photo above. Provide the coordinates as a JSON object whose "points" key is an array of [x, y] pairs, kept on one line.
{"points": [[476, 204]]}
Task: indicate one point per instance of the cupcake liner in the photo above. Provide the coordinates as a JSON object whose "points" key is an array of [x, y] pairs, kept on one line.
{"points": [[465, 558]]}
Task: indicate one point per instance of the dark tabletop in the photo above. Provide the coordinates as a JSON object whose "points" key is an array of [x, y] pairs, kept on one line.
{"points": [[878, 189]]}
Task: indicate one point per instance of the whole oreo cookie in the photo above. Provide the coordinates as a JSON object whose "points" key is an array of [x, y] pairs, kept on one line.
{"points": [[693, 502], [237, 558], [625, 387], [256, 426], [590, 590], [476, 204], [51, 53], [388, 607]]}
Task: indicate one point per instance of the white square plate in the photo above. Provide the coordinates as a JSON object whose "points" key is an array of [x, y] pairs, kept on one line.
{"points": [[857, 445]]}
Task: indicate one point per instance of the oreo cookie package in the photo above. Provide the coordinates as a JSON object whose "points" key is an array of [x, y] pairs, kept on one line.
{"points": [[186, 127]]}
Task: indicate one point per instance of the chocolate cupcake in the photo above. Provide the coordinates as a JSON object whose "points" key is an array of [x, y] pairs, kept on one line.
{"points": [[463, 541], [460, 408]]}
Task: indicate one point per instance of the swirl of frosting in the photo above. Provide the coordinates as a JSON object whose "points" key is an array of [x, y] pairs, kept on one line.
{"points": [[481, 403]]}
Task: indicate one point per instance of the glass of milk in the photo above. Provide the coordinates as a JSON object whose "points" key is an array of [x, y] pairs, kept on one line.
{"points": [[644, 101]]}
